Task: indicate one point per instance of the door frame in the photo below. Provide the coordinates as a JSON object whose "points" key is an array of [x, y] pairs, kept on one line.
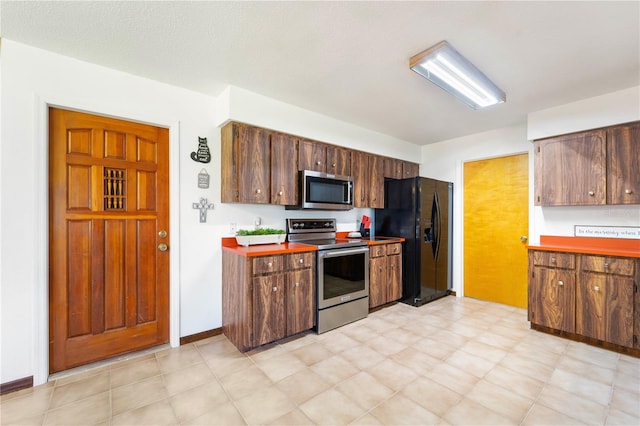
{"points": [[458, 200], [41, 225]]}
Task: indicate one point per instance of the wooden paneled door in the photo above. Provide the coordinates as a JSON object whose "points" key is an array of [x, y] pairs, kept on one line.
{"points": [[108, 237], [496, 222]]}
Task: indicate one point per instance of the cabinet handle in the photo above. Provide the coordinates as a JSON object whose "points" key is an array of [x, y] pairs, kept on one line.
{"points": [[297, 284], [596, 288], [301, 260], [560, 283], [269, 264], [275, 289], [258, 191], [606, 265], [553, 260], [280, 193], [318, 162], [333, 164], [628, 191], [591, 193]]}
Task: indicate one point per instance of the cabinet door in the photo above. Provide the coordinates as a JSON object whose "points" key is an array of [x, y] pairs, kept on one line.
{"points": [[604, 308], [376, 182], [552, 298], [360, 169], [410, 169], [623, 157], [253, 165], [313, 156], [377, 281], [229, 192], [395, 277], [570, 170], [619, 311], [590, 306], [284, 169], [393, 168], [269, 320], [300, 306], [338, 160]]}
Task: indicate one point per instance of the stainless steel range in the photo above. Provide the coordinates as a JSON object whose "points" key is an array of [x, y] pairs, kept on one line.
{"points": [[342, 274]]}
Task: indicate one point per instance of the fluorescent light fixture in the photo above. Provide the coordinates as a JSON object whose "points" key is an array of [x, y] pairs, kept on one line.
{"points": [[444, 66]]}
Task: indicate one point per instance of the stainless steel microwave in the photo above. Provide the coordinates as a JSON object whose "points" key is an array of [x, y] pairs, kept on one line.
{"points": [[324, 191]]}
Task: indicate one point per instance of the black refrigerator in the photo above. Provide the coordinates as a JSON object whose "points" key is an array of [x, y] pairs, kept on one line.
{"points": [[420, 210]]}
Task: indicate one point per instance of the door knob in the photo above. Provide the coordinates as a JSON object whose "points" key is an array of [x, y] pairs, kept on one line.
{"points": [[162, 247], [523, 238], [162, 234]]}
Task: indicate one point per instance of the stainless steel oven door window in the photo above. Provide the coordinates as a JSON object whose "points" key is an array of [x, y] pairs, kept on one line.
{"points": [[343, 275]]}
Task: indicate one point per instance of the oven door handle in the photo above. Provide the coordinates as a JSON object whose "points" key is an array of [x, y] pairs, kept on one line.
{"points": [[346, 252]]}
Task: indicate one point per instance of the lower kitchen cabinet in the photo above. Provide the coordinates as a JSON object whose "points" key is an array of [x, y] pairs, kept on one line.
{"points": [[552, 283], [269, 316], [266, 298], [604, 304], [592, 298], [385, 274], [299, 301]]}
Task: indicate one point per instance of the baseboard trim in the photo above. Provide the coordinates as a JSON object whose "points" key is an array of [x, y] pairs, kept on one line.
{"points": [[16, 385], [634, 352], [200, 336]]}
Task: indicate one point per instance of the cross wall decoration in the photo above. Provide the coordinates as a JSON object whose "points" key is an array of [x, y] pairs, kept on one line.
{"points": [[203, 206]]}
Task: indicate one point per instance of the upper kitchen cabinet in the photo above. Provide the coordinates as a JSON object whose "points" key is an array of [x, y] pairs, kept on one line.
{"points": [[393, 168], [410, 170], [321, 157], [368, 180], [312, 156], [570, 170], [284, 172], [338, 160], [398, 169], [246, 163], [590, 168], [623, 164]]}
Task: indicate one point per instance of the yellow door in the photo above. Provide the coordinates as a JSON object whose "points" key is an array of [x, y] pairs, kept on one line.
{"points": [[495, 220]]}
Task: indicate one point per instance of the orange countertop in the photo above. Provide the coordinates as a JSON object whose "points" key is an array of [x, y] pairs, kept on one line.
{"points": [[382, 240], [589, 245], [230, 244]]}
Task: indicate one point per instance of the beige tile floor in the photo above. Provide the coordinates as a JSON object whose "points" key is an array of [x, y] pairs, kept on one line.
{"points": [[453, 361]]}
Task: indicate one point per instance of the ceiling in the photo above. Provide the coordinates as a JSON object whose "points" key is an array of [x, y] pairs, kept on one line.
{"points": [[349, 60]]}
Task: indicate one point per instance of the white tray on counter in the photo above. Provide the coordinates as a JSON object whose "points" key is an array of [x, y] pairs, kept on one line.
{"points": [[250, 240]]}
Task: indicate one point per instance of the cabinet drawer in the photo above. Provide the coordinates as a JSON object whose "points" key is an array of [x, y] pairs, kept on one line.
{"points": [[395, 248], [608, 265], [554, 260], [300, 260], [268, 264], [377, 250]]}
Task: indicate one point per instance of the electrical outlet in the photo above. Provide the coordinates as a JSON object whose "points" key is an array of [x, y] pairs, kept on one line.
{"points": [[258, 221], [233, 227]]}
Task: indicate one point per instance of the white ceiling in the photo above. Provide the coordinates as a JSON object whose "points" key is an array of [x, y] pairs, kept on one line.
{"points": [[349, 60]]}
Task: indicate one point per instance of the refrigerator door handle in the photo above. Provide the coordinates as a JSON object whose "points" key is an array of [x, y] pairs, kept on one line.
{"points": [[437, 226]]}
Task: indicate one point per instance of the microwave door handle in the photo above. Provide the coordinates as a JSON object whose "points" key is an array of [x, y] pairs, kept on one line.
{"points": [[349, 193]]}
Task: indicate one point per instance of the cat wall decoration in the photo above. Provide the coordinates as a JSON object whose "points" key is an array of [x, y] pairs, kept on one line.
{"points": [[202, 155]]}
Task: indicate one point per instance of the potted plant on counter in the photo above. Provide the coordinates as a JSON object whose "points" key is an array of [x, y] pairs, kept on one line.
{"points": [[245, 237]]}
